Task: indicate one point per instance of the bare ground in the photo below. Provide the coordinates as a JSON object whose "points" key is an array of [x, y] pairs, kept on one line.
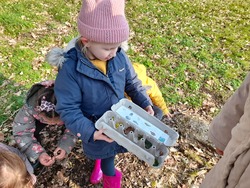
{"points": [[186, 165]]}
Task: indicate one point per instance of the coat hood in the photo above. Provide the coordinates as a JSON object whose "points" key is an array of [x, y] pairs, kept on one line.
{"points": [[33, 94], [55, 56]]}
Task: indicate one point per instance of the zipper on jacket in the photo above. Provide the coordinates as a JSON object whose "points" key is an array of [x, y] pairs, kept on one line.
{"points": [[106, 75]]}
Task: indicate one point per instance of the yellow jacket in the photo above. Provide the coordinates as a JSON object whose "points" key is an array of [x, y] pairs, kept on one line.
{"points": [[152, 88]]}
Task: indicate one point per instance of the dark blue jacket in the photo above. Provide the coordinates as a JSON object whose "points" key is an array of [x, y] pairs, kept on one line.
{"points": [[84, 94]]}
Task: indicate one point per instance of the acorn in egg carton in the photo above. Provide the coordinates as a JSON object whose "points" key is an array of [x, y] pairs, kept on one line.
{"points": [[140, 133]]}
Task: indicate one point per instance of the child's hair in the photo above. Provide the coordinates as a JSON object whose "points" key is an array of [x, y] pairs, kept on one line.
{"points": [[46, 102], [13, 172]]}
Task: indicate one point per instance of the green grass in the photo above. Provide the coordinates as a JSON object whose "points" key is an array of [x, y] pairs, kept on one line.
{"points": [[203, 46], [195, 50]]}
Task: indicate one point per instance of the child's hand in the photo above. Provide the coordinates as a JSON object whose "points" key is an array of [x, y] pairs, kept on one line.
{"points": [[48, 83], [150, 110], [168, 115], [59, 153], [99, 135], [46, 160]]}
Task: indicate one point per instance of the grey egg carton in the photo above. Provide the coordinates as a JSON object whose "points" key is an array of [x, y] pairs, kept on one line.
{"points": [[148, 140]]}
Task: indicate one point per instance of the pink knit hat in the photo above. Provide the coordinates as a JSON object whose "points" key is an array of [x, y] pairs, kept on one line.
{"points": [[103, 21]]}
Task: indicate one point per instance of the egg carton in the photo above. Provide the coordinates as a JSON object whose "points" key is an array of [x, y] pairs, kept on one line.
{"points": [[140, 133]]}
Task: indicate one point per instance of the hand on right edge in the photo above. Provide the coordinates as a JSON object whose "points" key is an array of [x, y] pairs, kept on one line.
{"points": [[220, 152]]}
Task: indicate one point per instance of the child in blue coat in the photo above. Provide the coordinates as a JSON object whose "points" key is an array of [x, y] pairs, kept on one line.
{"points": [[55, 58], [95, 75]]}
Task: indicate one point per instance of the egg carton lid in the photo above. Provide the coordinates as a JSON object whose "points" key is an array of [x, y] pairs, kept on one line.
{"points": [[145, 122]]}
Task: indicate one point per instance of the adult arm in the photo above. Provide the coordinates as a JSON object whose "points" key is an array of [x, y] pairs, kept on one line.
{"points": [[220, 131]]}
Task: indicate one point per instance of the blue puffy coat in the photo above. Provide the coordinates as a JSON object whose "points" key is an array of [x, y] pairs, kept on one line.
{"points": [[84, 94]]}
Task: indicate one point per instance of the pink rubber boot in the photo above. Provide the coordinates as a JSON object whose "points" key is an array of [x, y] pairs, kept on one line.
{"points": [[112, 181], [96, 174]]}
